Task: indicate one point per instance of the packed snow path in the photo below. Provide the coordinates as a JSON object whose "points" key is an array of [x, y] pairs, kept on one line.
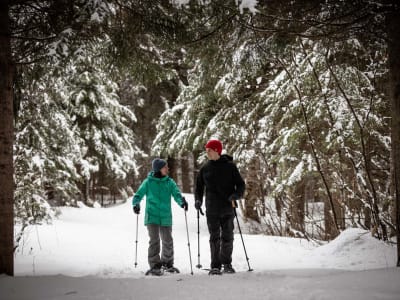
{"points": [[283, 284], [88, 253]]}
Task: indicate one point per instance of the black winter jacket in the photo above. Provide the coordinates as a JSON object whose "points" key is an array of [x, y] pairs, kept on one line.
{"points": [[222, 182]]}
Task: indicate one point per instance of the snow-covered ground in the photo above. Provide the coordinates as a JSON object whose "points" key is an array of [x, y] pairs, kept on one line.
{"points": [[89, 253]]}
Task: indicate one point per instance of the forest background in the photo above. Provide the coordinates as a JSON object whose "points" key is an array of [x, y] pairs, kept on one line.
{"points": [[303, 94]]}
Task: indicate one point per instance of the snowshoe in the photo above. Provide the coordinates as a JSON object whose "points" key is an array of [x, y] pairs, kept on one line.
{"points": [[215, 271], [170, 269], [155, 272], [228, 269]]}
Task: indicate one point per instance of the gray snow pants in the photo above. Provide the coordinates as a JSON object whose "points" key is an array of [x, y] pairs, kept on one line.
{"points": [[167, 254]]}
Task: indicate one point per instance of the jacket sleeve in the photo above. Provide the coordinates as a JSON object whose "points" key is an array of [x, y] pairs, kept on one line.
{"points": [[239, 183], [199, 192], [176, 193], [140, 193]]}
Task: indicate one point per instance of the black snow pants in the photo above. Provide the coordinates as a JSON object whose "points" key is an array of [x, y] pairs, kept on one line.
{"points": [[221, 239]]}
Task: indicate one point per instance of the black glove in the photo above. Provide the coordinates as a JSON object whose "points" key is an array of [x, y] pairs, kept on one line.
{"points": [[197, 204], [136, 209], [184, 204]]}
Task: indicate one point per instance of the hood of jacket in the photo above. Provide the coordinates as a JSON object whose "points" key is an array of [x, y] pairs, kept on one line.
{"points": [[151, 176]]}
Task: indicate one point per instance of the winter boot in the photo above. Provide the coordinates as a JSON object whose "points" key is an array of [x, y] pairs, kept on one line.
{"points": [[215, 271], [155, 271], [228, 269], [170, 268]]}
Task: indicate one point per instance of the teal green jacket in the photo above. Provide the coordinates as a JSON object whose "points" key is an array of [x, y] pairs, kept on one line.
{"points": [[158, 192]]}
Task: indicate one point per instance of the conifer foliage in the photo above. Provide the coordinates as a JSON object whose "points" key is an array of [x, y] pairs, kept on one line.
{"points": [[301, 105]]}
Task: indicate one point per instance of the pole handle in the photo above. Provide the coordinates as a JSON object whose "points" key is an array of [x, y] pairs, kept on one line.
{"points": [[234, 203]]}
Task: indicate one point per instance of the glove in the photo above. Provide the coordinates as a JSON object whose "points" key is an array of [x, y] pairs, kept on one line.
{"points": [[184, 204], [234, 204], [197, 204], [136, 209], [233, 199]]}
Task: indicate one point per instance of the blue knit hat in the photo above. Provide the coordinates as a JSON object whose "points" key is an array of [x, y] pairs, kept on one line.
{"points": [[158, 164]]}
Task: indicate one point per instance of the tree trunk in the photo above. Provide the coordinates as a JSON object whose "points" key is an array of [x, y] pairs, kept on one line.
{"points": [[328, 220], [367, 217], [297, 207], [196, 168], [173, 168], [253, 191], [393, 30], [6, 146], [186, 174]]}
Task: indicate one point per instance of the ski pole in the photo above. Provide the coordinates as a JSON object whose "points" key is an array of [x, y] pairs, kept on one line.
{"points": [[199, 266], [244, 247], [190, 254], [136, 242]]}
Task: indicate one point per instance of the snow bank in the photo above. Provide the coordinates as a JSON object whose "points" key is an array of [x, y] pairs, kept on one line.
{"points": [[353, 249]]}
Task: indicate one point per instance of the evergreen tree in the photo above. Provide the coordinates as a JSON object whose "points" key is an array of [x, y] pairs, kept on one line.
{"points": [[30, 31], [103, 125], [45, 155], [285, 100]]}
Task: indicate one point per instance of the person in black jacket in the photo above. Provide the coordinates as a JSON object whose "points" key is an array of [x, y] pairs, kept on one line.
{"points": [[223, 185]]}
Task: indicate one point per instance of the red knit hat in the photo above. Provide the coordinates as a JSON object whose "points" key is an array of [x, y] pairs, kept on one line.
{"points": [[214, 145]]}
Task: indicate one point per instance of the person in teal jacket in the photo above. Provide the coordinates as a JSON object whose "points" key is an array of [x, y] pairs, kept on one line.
{"points": [[158, 188]]}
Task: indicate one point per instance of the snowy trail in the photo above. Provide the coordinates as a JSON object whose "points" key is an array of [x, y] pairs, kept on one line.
{"points": [[101, 241], [88, 253], [287, 284]]}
